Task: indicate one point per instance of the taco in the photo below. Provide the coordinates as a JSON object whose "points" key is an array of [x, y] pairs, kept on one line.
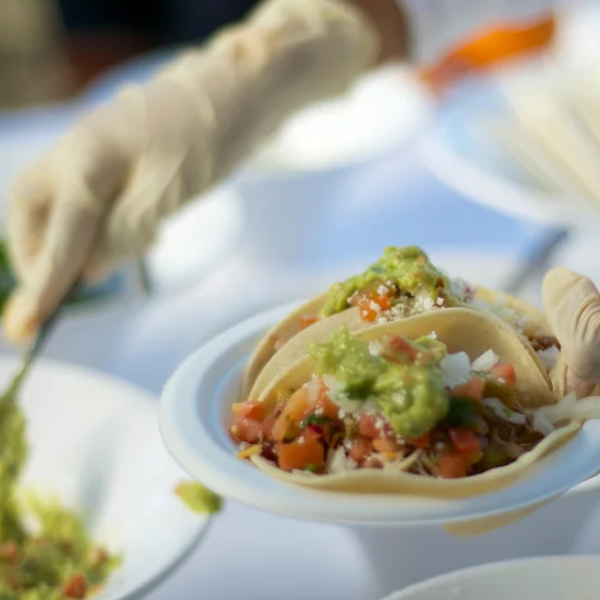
{"points": [[528, 320], [448, 404], [401, 284]]}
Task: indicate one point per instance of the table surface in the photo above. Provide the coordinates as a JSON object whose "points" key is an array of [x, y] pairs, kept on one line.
{"points": [[248, 553]]}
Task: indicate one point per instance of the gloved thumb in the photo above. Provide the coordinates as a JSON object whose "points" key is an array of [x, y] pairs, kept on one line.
{"points": [[572, 305]]}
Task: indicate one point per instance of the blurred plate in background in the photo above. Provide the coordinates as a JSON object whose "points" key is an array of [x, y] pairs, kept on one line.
{"points": [[460, 151]]}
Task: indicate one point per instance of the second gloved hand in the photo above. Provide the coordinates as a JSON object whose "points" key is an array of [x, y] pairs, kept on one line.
{"points": [[572, 305], [99, 196]]}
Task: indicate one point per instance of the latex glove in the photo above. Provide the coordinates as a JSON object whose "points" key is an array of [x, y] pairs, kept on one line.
{"points": [[99, 196], [572, 305]]}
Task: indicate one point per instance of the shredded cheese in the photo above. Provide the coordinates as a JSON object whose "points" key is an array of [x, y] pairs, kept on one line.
{"points": [[250, 451]]}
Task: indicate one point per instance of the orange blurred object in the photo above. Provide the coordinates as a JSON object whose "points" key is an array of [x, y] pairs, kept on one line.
{"points": [[488, 50]]}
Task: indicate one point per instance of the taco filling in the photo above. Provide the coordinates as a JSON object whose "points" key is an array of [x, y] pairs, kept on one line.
{"points": [[402, 283], [400, 404]]}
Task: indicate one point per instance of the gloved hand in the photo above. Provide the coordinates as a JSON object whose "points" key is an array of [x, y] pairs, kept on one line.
{"points": [[572, 305], [99, 196]]}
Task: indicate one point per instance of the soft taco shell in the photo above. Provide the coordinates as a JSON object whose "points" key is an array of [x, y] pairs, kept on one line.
{"points": [[537, 322], [286, 330], [461, 330], [266, 361]]}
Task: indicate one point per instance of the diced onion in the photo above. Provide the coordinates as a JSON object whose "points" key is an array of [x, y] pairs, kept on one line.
{"points": [[456, 369], [486, 361], [570, 408], [336, 461], [549, 356], [375, 347], [501, 411]]}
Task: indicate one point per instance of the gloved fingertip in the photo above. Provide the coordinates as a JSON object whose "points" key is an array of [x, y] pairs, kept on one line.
{"points": [[20, 319], [556, 284], [559, 277]]}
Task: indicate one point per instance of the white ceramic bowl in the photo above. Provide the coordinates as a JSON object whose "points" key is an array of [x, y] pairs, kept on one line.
{"points": [[550, 578], [96, 446]]}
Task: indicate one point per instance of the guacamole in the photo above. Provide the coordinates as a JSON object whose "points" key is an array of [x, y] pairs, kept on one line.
{"points": [[408, 270], [405, 381], [54, 560], [198, 499]]}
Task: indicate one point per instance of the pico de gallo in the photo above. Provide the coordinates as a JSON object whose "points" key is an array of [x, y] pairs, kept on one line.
{"points": [[402, 283], [376, 405]]}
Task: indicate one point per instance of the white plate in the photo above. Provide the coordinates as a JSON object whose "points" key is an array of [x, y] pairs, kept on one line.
{"points": [[95, 444], [195, 411], [550, 578], [466, 160]]}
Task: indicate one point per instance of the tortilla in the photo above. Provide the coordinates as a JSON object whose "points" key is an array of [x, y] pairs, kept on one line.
{"points": [[473, 332], [284, 330], [266, 361]]}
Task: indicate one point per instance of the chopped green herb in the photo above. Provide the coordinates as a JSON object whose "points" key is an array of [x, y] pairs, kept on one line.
{"points": [[314, 419], [462, 413], [312, 468]]}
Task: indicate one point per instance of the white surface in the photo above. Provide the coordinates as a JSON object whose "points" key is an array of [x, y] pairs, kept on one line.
{"points": [[195, 412], [556, 578], [96, 446]]}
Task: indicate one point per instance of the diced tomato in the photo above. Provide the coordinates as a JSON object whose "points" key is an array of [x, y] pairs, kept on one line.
{"points": [[403, 346], [267, 426], [368, 312], [464, 440], [506, 372], [247, 430], [9, 552], [307, 321], [300, 453], [383, 300], [423, 441], [367, 426], [253, 409], [301, 404], [75, 587], [386, 445], [360, 450], [473, 389], [453, 466]]}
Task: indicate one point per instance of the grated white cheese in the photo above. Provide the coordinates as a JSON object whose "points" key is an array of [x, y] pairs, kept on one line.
{"points": [[549, 357], [313, 387], [486, 361], [456, 369], [433, 335]]}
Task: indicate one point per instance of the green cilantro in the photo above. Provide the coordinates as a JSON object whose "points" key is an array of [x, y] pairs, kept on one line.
{"points": [[462, 413], [314, 419], [311, 467]]}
